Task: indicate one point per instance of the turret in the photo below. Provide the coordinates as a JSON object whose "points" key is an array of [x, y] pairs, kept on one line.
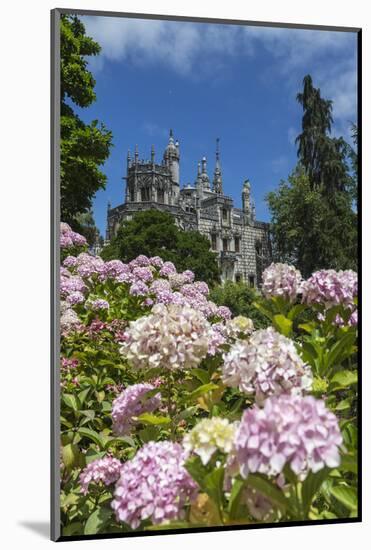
{"points": [[217, 181], [246, 206], [171, 158], [204, 177]]}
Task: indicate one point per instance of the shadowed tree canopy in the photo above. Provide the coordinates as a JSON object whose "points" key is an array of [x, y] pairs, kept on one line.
{"points": [[155, 233], [84, 147]]}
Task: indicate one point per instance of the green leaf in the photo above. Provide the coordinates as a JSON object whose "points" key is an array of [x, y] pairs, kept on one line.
{"points": [[346, 495], [235, 498], [311, 486], [214, 486], [344, 378], [97, 520], [266, 488], [307, 327], [295, 311], [71, 401], [83, 395], [197, 470], [202, 375], [93, 436], [124, 440], [75, 528], [343, 405], [349, 463], [203, 389], [153, 420], [282, 324], [71, 456], [341, 349], [263, 310]]}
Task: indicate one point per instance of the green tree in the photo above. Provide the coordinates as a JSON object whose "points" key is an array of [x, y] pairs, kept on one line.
{"points": [[84, 147], [155, 233], [239, 297], [84, 223], [308, 230], [314, 222]]}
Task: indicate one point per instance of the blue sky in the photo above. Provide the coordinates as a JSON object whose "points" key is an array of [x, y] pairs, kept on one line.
{"points": [[206, 81]]}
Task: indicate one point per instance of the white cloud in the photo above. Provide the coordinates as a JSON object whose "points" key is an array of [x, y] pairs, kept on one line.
{"points": [[185, 47]]}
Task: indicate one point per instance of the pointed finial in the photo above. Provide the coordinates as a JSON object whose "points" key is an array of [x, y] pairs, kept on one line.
{"points": [[199, 168], [217, 148], [152, 153], [171, 132]]}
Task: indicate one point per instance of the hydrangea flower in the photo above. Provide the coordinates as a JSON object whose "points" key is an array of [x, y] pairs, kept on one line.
{"points": [[75, 298], [224, 312], [69, 238], [143, 274], [154, 485], [239, 327], [131, 403], [105, 470], [138, 288], [98, 304], [167, 269], [267, 364], [331, 288], [210, 435], [294, 430], [281, 280], [173, 337]]}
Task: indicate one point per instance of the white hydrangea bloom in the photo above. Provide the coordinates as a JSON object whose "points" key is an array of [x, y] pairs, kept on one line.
{"points": [[209, 435], [172, 337]]}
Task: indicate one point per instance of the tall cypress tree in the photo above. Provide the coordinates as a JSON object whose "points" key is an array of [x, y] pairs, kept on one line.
{"points": [[314, 221]]}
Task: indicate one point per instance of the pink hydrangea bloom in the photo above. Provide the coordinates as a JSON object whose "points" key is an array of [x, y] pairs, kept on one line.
{"points": [[153, 485], [298, 431], [331, 288], [266, 364], [143, 274], [75, 297], [105, 470], [131, 403], [224, 312], [281, 280], [139, 288]]}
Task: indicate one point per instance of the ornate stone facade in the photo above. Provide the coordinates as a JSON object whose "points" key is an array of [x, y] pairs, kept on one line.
{"points": [[242, 243]]}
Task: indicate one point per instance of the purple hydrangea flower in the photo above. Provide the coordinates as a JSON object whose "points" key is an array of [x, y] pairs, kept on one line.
{"points": [[167, 269], [143, 274], [131, 403], [281, 280], [95, 305], [224, 312], [75, 297], [153, 485], [138, 288], [140, 261], [298, 431], [156, 261], [105, 470]]}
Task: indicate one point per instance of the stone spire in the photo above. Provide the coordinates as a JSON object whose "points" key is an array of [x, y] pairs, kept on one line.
{"points": [[217, 181], [153, 154], [204, 177], [171, 158], [136, 154]]}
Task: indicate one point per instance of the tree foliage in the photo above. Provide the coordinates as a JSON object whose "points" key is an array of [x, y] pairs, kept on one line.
{"points": [[239, 297], [84, 147], [314, 221], [309, 231], [155, 233]]}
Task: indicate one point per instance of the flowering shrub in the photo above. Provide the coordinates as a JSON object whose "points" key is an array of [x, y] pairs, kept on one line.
{"points": [[174, 413]]}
